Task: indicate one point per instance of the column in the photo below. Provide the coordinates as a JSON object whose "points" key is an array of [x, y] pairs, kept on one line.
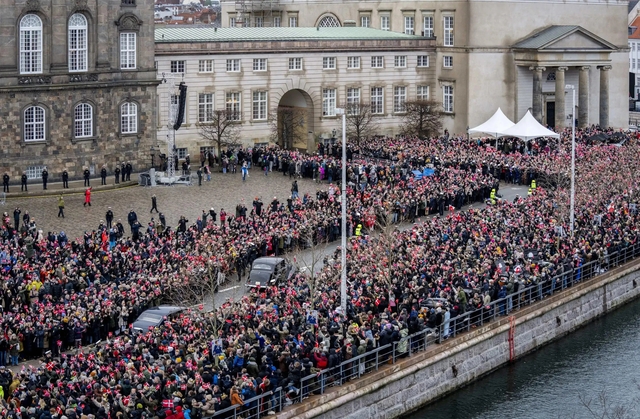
{"points": [[537, 93], [583, 97], [560, 98], [604, 96]]}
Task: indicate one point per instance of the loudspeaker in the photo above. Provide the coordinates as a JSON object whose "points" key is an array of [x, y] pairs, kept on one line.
{"points": [[182, 100]]}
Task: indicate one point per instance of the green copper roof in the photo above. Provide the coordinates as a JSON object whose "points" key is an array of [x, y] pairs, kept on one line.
{"points": [[545, 36], [205, 33]]}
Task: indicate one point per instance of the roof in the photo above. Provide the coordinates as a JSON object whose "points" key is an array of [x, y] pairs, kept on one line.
{"points": [[555, 33], [207, 33], [636, 28]]}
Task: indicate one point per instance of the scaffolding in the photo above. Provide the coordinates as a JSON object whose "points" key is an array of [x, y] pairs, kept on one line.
{"points": [[256, 13]]}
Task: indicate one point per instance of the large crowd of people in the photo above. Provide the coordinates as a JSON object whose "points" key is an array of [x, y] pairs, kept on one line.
{"points": [[59, 294]]}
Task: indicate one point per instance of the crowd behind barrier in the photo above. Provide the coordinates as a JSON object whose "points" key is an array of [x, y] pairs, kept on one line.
{"points": [[406, 288]]}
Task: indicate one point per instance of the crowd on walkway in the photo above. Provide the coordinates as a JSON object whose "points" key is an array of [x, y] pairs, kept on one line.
{"points": [[59, 294]]}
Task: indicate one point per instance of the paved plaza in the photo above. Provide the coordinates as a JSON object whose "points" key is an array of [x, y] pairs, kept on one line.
{"points": [[223, 191]]}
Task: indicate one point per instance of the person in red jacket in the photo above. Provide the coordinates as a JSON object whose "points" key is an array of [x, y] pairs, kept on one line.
{"points": [[87, 196]]}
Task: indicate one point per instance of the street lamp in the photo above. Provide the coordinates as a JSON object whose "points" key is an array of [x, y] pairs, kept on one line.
{"points": [[343, 194], [152, 151], [573, 158]]}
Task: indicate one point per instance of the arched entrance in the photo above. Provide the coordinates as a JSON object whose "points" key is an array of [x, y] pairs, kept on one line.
{"points": [[295, 120]]}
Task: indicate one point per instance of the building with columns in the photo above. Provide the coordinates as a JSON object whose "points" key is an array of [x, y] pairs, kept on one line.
{"points": [[491, 53], [77, 85]]}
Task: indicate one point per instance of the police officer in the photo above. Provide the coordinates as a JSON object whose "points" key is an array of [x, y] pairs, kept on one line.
{"points": [[109, 217], [117, 173], [5, 182], [359, 230], [492, 196], [45, 178], [65, 179], [103, 175], [129, 170], [530, 192], [86, 174], [23, 182], [123, 171], [533, 184]]}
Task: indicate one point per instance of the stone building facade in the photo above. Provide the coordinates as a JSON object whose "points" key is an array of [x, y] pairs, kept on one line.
{"points": [[77, 85]]}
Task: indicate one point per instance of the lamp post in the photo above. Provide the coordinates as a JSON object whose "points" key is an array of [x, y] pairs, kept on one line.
{"points": [[152, 151], [343, 195], [573, 158]]}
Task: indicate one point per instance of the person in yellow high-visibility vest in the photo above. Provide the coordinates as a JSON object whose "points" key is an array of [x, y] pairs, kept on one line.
{"points": [[492, 196], [533, 184], [359, 230], [530, 192]]}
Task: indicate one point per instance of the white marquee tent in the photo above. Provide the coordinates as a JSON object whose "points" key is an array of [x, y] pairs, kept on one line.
{"points": [[527, 129], [494, 125]]}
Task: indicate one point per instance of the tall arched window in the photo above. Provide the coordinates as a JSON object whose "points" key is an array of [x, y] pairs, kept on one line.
{"points": [[30, 44], [128, 118], [329, 22], [34, 124], [83, 121], [77, 42]]}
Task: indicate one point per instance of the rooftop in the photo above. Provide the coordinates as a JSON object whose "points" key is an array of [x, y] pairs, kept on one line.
{"points": [[207, 33], [634, 29]]}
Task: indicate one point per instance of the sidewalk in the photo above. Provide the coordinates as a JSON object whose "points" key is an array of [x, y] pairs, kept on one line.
{"points": [[75, 187]]}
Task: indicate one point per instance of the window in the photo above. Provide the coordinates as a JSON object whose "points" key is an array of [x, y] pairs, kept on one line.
{"points": [[34, 172], [353, 100], [400, 61], [128, 3], [328, 102], [423, 61], [205, 107], [128, 50], [353, 62], [328, 63], [377, 62], [448, 61], [447, 98], [259, 105], [422, 93], [365, 21], [77, 42], [259, 64], [232, 22], [427, 26], [30, 44], [34, 124], [329, 22], [409, 25], [293, 21], [399, 98], [233, 106], [177, 67], [385, 23], [233, 65], [83, 121], [295, 63], [633, 66], [276, 22], [205, 66], [181, 153], [258, 22], [448, 31], [377, 100], [129, 118]]}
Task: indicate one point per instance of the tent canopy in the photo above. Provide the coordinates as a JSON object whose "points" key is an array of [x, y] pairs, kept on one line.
{"points": [[527, 129], [494, 125]]}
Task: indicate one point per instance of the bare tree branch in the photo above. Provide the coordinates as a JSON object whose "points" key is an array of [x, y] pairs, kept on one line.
{"points": [[221, 128], [422, 118], [361, 123], [287, 126]]}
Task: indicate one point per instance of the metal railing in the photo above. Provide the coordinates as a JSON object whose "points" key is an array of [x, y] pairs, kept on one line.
{"points": [[354, 368]]}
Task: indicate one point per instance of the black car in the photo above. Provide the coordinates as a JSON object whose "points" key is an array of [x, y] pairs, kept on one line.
{"points": [[268, 271], [156, 316]]}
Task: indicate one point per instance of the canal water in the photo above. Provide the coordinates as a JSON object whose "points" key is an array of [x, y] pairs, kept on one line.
{"points": [[556, 381]]}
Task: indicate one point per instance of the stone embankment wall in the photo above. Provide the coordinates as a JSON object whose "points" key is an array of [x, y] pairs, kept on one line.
{"points": [[397, 389]]}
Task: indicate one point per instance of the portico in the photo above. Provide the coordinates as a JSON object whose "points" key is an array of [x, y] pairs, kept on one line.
{"points": [[554, 57]]}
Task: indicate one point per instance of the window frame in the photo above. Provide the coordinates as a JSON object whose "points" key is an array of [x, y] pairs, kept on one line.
{"points": [[399, 99], [379, 100], [353, 62], [409, 30], [277, 21], [293, 21], [205, 65], [32, 56], [384, 27], [206, 106], [427, 29], [231, 65], [447, 31], [447, 61], [259, 105], [128, 55], [296, 61], [377, 59], [354, 96], [75, 31], [420, 61], [261, 64], [132, 118], [84, 121], [233, 106], [36, 124], [366, 18], [448, 106], [420, 94], [328, 63], [176, 65], [400, 61], [329, 100]]}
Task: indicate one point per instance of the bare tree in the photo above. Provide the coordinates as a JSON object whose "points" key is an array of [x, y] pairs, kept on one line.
{"points": [[361, 123], [221, 128], [602, 407], [287, 126], [422, 118]]}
